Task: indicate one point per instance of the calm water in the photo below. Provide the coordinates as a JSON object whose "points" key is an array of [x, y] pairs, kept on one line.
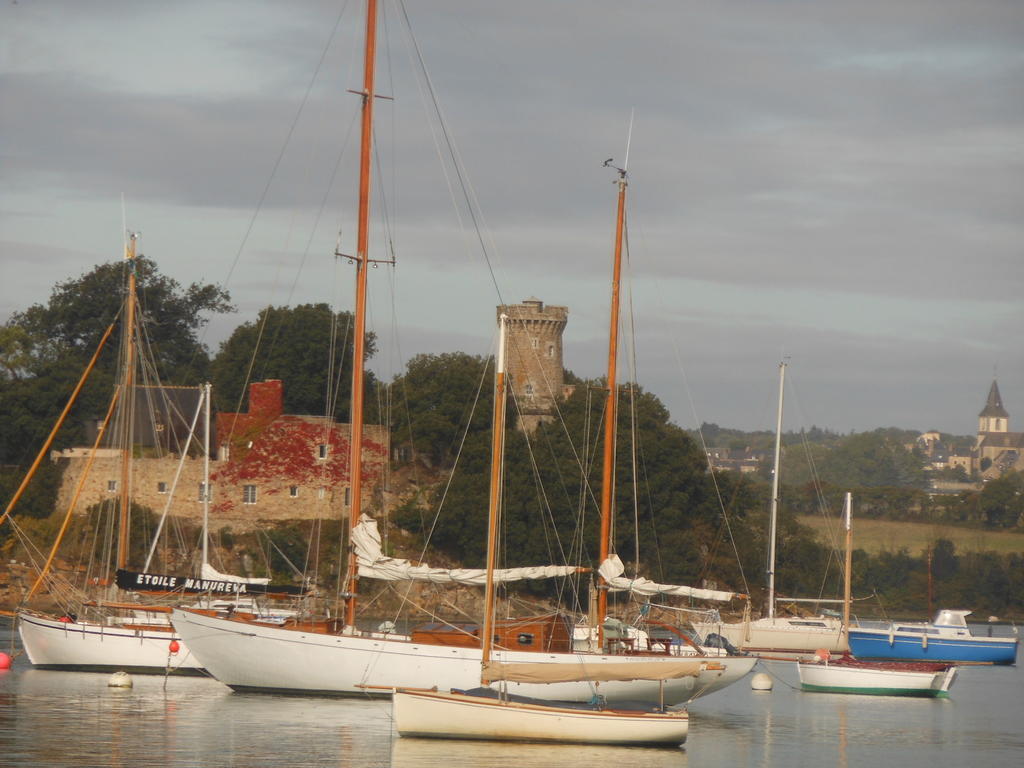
{"points": [[74, 719]]}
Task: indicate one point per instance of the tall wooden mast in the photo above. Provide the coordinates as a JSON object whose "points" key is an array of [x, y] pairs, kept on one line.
{"points": [[848, 563], [127, 406], [494, 506], [773, 524], [611, 404], [362, 263]]}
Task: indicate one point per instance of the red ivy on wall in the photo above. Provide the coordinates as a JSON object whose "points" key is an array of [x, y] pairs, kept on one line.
{"points": [[285, 451]]}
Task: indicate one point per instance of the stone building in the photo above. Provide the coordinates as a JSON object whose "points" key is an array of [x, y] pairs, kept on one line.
{"points": [[534, 359], [997, 449], [269, 466]]}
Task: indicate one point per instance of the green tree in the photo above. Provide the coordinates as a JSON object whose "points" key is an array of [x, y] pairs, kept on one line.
{"points": [[170, 317], [45, 349], [434, 400], [1002, 501], [308, 347], [945, 562], [873, 459], [15, 352]]}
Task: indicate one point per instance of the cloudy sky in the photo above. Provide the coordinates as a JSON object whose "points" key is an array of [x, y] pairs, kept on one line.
{"points": [[839, 183]]}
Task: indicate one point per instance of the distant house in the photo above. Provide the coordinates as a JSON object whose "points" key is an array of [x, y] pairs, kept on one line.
{"points": [[742, 460]]}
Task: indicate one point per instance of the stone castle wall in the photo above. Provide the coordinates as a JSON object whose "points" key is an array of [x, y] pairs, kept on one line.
{"points": [[297, 484]]}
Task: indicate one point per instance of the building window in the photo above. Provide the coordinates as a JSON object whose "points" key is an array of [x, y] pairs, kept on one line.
{"points": [[111, 485], [348, 496], [161, 487], [321, 451], [535, 342], [248, 494], [528, 389], [320, 493], [551, 350], [202, 492], [293, 491]]}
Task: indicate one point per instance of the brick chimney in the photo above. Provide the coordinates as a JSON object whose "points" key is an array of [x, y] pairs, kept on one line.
{"points": [[266, 398]]}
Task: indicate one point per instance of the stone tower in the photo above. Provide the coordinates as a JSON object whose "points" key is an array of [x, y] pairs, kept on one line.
{"points": [[534, 358]]}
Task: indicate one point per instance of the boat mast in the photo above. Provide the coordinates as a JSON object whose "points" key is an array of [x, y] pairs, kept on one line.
{"points": [[848, 569], [931, 585], [127, 405], [494, 505], [611, 404], [206, 477], [775, 493], [362, 262]]}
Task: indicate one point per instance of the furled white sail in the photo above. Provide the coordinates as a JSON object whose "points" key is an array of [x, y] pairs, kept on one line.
{"points": [[548, 672], [374, 564], [212, 574], [612, 569]]}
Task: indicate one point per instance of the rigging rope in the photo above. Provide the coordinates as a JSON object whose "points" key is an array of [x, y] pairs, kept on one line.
{"points": [[285, 144]]}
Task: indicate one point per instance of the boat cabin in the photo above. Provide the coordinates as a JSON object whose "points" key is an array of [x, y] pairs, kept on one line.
{"points": [[948, 618], [539, 633]]}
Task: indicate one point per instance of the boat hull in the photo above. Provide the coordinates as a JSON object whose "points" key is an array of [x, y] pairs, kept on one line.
{"points": [[253, 657], [886, 644], [876, 681], [89, 646], [457, 716], [780, 636]]}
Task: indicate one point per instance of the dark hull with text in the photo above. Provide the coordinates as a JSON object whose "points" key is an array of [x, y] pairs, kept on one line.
{"points": [[190, 585]]}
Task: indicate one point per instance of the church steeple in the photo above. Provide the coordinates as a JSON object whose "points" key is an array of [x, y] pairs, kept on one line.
{"points": [[993, 417]]}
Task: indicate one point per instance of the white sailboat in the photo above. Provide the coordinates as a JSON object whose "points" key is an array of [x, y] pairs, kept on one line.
{"points": [[461, 716], [494, 715], [846, 674], [773, 635], [485, 714], [336, 657], [99, 632], [115, 636]]}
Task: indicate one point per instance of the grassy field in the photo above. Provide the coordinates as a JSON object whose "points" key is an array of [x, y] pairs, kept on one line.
{"points": [[885, 535]]}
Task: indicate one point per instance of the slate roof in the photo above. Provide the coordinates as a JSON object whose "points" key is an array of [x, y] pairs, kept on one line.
{"points": [[994, 404]]}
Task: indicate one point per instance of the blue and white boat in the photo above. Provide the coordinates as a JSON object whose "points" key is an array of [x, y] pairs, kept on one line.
{"points": [[946, 638]]}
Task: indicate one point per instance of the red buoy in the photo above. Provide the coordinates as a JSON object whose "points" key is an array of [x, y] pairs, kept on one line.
{"points": [[174, 647], [5, 661]]}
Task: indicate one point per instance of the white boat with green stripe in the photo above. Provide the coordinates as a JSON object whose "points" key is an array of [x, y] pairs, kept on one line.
{"points": [[848, 675]]}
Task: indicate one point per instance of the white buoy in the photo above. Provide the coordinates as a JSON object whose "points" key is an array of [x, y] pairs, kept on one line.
{"points": [[761, 682], [120, 680]]}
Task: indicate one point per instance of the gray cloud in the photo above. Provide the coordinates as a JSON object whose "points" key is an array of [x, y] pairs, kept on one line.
{"points": [[838, 180]]}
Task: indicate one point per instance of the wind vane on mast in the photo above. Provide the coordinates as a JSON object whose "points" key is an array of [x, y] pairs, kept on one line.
{"points": [[610, 163]]}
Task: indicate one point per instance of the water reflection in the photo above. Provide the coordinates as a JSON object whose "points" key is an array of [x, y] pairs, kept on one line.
{"points": [[842, 734], [188, 722], [73, 719], [430, 753]]}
